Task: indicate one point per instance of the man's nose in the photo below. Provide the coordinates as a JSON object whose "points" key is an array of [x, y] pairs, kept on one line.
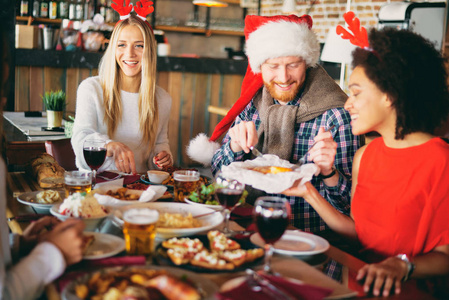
{"points": [[282, 75]]}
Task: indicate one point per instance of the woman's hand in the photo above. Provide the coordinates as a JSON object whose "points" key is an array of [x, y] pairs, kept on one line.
{"points": [[123, 157], [68, 237], [298, 190], [163, 158], [35, 232], [324, 151], [383, 276]]}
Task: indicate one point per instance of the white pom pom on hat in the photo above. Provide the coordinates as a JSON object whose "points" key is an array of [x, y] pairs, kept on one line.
{"points": [[266, 37]]}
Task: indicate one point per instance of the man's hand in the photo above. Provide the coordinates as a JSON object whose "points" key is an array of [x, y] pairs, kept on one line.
{"points": [[162, 159], [324, 151], [123, 157], [297, 189], [383, 277], [243, 136], [68, 237]]}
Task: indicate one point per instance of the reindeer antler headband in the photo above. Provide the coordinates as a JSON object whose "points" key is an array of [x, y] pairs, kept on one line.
{"points": [[142, 8], [359, 36]]}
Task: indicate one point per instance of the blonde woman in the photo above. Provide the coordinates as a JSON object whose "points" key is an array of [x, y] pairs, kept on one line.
{"points": [[123, 105]]}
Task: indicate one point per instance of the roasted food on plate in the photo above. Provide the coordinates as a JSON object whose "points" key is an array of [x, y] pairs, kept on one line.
{"points": [[123, 194], [168, 220], [136, 283]]}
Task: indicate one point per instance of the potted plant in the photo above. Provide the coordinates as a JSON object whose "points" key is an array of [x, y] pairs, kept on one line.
{"points": [[54, 102]]}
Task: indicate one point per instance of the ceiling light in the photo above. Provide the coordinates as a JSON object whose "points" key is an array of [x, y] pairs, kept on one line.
{"points": [[210, 3]]}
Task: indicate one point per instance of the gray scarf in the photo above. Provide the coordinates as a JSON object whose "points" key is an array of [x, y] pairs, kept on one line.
{"points": [[277, 128]]}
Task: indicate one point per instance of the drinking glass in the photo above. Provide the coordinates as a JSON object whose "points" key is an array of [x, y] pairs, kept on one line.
{"points": [[228, 192], [271, 218], [94, 151]]}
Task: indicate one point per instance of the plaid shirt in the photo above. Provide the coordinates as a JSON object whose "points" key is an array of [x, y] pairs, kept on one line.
{"points": [[303, 215]]}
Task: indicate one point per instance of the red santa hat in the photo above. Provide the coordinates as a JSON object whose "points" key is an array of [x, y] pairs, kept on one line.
{"points": [[266, 37]]}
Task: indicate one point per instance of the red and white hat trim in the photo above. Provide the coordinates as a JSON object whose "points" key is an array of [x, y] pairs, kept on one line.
{"points": [[297, 39]]}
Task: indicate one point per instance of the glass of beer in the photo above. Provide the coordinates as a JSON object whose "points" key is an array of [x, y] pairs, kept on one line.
{"points": [[186, 181], [77, 182], [139, 230]]}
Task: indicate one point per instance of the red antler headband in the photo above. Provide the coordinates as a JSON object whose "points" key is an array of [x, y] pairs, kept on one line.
{"points": [[142, 8], [359, 36]]}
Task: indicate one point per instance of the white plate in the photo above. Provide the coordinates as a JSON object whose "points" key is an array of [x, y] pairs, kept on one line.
{"points": [[31, 200], [214, 207], [295, 242], [206, 286], [208, 222], [104, 245]]}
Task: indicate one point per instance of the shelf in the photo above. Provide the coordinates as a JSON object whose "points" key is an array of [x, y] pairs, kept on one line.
{"points": [[198, 30], [39, 20]]}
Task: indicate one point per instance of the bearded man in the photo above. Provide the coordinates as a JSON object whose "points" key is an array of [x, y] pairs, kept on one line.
{"points": [[287, 103]]}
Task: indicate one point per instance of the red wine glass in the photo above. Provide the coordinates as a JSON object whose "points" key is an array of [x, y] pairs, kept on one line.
{"points": [[94, 151], [228, 192], [271, 218]]}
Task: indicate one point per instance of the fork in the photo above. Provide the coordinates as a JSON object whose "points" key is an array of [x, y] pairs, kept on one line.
{"points": [[302, 160]]}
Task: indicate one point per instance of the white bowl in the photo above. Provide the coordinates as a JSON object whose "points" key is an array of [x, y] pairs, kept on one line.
{"points": [[156, 176], [91, 223], [208, 222], [211, 206]]}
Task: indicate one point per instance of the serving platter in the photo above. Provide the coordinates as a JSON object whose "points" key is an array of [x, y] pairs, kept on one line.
{"points": [[163, 259]]}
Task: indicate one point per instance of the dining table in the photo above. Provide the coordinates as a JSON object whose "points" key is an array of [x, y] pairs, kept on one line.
{"points": [[305, 269]]}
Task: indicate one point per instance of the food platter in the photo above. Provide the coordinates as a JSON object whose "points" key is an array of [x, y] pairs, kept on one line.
{"points": [[30, 199], [214, 207], [208, 222], [205, 287], [104, 245], [295, 242], [163, 259]]}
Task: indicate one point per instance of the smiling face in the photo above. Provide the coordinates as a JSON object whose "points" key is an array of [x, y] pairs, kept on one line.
{"points": [[129, 52], [369, 107], [283, 77]]}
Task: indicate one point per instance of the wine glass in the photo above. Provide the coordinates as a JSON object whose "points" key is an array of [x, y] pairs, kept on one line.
{"points": [[228, 192], [271, 218], [94, 151]]}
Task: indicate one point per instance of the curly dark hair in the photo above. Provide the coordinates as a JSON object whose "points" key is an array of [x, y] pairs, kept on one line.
{"points": [[411, 71]]}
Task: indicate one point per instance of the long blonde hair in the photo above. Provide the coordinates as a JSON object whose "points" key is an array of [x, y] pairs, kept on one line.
{"points": [[109, 72]]}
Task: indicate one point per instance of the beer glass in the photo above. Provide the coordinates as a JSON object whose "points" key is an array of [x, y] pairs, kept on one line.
{"points": [[139, 230], [77, 182], [186, 181]]}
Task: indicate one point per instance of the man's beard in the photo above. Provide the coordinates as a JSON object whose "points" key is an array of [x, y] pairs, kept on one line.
{"points": [[281, 96]]}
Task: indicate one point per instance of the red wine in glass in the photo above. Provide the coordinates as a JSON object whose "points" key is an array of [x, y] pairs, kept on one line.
{"points": [[94, 157], [228, 197], [271, 228]]}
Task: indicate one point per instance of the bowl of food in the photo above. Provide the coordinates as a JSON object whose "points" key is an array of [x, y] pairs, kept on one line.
{"points": [[41, 201], [205, 197], [82, 206], [177, 219], [156, 176]]}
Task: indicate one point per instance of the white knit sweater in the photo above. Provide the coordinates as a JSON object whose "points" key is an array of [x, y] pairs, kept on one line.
{"points": [[89, 124]]}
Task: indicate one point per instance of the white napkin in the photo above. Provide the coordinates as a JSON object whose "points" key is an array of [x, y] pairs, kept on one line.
{"points": [[270, 183], [152, 193]]}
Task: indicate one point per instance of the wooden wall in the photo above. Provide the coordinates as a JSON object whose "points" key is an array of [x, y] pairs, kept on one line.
{"points": [[192, 93]]}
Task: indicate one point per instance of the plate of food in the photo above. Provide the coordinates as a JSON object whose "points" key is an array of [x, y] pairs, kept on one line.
{"points": [[140, 282], [177, 219], [294, 242], [42, 201], [205, 197], [211, 253], [101, 245]]}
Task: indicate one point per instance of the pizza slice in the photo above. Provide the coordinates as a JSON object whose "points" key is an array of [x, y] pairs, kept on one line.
{"points": [[192, 245], [180, 256], [210, 260], [219, 242], [253, 254], [236, 257]]}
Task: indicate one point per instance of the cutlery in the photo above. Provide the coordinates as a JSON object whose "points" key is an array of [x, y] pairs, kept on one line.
{"points": [[259, 283], [302, 160], [255, 151]]}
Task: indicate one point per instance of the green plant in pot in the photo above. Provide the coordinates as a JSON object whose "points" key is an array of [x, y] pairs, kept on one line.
{"points": [[55, 103]]}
